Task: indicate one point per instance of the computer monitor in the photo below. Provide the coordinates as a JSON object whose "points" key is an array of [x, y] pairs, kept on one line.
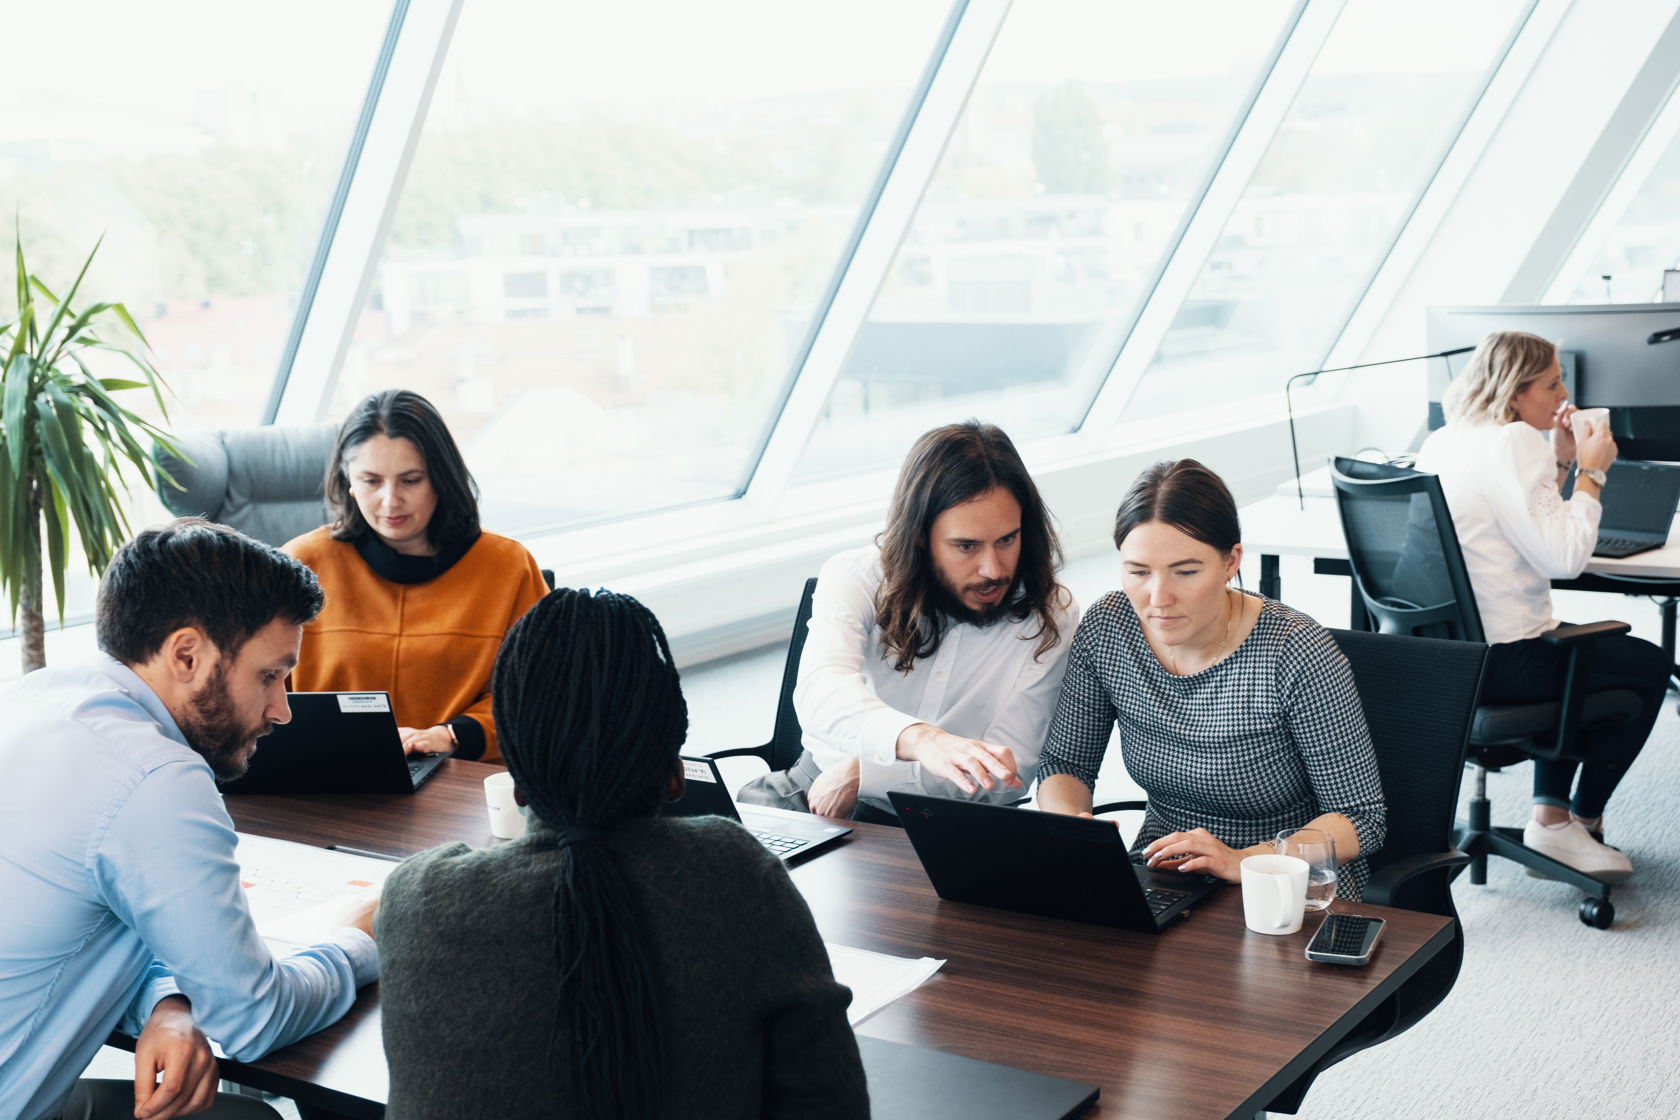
{"points": [[1609, 359]]}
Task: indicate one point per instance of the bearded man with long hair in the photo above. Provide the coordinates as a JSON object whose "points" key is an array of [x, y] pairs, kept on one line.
{"points": [[934, 656]]}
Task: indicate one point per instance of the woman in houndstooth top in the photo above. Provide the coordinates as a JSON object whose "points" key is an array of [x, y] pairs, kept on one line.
{"points": [[1237, 714]]}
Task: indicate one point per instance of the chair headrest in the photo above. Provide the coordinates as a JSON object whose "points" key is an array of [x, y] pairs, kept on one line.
{"points": [[201, 470], [1363, 470]]}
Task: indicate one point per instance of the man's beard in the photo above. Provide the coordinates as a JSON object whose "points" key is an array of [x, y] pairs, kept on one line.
{"points": [[949, 603], [212, 728]]}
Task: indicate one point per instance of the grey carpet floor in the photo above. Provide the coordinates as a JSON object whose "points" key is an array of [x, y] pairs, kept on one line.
{"points": [[1549, 1017]]}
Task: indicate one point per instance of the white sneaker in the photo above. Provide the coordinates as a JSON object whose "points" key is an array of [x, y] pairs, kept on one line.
{"points": [[1571, 843]]}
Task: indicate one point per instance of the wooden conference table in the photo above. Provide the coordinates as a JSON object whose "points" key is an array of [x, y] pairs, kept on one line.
{"points": [[1204, 1020]]}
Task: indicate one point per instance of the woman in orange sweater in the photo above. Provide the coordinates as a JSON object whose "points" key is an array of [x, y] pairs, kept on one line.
{"points": [[418, 596]]}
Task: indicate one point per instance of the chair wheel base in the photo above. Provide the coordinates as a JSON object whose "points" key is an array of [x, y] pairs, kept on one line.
{"points": [[1597, 912]]}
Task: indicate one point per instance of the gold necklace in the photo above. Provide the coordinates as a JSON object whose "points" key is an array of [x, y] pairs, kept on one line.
{"points": [[1230, 617]]}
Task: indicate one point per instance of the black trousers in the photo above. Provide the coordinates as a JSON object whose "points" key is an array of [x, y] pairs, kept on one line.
{"points": [[1532, 670]]}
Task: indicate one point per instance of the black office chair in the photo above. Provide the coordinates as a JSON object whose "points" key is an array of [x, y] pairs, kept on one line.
{"points": [[1411, 577], [1420, 752], [786, 741]]}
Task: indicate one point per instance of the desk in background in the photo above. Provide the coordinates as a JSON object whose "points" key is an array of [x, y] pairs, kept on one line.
{"points": [[1277, 526], [1204, 1020]]}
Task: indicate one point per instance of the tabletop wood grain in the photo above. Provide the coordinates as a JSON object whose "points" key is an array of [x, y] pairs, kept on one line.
{"points": [[1205, 1019]]}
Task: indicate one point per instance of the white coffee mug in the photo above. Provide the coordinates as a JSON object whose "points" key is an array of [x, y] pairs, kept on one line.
{"points": [[1274, 890], [507, 816]]}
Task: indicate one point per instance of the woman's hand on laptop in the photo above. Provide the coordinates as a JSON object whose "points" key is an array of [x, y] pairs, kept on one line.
{"points": [[1200, 851], [426, 740], [967, 762]]}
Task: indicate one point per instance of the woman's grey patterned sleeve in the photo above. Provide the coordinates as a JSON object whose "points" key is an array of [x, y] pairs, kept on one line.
{"points": [[1327, 724], [1079, 730]]}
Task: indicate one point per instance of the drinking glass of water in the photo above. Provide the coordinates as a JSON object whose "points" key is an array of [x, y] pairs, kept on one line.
{"points": [[1319, 850]]}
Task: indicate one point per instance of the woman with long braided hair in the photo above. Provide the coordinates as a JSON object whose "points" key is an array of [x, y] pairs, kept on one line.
{"points": [[612, 963]]}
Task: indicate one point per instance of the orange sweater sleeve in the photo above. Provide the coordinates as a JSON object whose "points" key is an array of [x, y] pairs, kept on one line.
{"points": [[531, 588]]}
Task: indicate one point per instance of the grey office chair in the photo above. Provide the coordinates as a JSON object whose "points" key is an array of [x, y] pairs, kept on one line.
{"points": [[1411, 577], [266, 482]]}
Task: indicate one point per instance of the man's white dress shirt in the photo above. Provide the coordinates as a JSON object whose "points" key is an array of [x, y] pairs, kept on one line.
{"points": [[1514, 527], [982, 683]]}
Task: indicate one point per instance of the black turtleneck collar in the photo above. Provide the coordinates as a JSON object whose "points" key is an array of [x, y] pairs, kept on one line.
{"points": [[388, 563]]}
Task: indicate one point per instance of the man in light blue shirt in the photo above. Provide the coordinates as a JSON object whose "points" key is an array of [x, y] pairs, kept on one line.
{"points": [[123, 906]]}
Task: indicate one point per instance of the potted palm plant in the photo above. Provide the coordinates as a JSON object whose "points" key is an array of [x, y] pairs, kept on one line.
{"points": [[64, 440]]}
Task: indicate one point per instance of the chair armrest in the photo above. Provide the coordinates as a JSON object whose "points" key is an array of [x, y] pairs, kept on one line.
{"points": [[1120, 807], [1584, 632], [1383, 885], [762, 751], [1577, 644]]}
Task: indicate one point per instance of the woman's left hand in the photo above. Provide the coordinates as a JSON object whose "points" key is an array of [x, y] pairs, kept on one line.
{"points": [[1198, 851], [426, 740], [1563, 433]]}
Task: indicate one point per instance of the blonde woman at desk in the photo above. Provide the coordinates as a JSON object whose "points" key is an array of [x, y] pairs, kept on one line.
{"points": [[1238, 715], [612, 963], [1502, 481]]}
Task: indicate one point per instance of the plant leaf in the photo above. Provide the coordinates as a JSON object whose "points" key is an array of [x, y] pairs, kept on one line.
{"points": [[19, 342], [63, 307], [78, 328], [53, 513], [22, 273], [20, 371]]}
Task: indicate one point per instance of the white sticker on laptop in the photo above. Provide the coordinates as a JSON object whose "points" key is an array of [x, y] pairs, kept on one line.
{"points": [[363, 702], [697, 772]]}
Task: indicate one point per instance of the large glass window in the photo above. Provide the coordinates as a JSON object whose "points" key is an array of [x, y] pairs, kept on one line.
{"points": [[1644, 243], [1086, 140], [616, 229], [1384, 100], [204, 140]]}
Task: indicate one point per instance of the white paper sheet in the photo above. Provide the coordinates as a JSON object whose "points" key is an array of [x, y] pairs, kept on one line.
{"points": [[298, 893], [877, 979]]}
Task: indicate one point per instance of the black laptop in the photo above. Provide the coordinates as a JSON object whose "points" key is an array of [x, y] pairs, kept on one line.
{"points": [[336, 742], [1639, 500], [1041, 863], [787, 835]]}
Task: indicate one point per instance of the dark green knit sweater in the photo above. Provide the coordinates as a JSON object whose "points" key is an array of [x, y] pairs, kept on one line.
{"points": [[755, 1024]]}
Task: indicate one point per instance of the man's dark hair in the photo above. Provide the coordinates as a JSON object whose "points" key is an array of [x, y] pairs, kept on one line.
{"points": [[590, 716], [401, 414], [192, 572], [947, 467], [1186, 495]]}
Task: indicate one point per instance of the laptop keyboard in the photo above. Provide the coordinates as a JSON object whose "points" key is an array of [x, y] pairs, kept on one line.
{"points": [[1620, 546], [780, 845], [1160, 899]]}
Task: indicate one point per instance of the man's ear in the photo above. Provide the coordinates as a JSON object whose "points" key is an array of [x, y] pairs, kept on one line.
{"points": [[185, 655]]}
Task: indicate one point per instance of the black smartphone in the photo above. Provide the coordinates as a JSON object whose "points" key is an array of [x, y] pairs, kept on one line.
{"points": [[1345, 939]]}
